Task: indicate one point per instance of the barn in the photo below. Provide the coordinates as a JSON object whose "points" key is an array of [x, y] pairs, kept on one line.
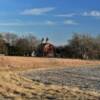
{"points": [[45, 49]]}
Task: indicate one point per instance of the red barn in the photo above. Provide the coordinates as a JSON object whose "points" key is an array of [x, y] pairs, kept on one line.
{"points": [[45, 49]]}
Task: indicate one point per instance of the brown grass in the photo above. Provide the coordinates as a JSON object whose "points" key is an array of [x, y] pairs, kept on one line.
{"points": [[16, 87], [21, 63]]}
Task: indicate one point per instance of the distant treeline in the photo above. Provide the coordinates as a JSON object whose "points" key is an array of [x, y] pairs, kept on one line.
{"points": [[79, 46], [14, 45]]}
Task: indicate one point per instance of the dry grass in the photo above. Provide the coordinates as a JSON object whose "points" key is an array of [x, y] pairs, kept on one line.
{"points": [[21, 63], [16, 87]]}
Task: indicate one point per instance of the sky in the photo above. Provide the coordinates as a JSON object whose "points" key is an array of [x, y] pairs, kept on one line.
{"points": [[56, 19]]}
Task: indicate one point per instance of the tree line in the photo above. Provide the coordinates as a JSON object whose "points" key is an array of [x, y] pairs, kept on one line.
{"points": [[79, 46], [12, 44]]}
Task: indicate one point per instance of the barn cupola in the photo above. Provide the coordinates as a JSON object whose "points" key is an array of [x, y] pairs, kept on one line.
{"points": [[42, 40], [47, 39]]}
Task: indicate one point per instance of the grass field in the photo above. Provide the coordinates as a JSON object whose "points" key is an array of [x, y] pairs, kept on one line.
{"points": [[14, 86], [23, 63]]}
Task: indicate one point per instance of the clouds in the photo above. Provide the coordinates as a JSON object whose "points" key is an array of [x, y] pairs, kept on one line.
{"points": [[40, 23], [49, 22], [93, 13], [37, 11], [70, 22], [45, 10], [66, 15], [71, 16], [25, 23], [54, 18], [13, 24]]}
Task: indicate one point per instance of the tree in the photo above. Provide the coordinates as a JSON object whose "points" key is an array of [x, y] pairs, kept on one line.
{"points": [[2, 45], [22, 46], [10, 38], [83, 46], [32, 41], [74, 43]]}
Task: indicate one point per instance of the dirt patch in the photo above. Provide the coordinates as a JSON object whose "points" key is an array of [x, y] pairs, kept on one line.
{"points": [[85, 78]]}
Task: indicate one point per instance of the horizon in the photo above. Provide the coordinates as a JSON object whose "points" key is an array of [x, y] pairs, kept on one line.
{"points": [[55, 19]]}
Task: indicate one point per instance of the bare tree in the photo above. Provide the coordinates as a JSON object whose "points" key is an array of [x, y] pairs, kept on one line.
{"points": [[33, 41], [83, 46], [10, 38]]}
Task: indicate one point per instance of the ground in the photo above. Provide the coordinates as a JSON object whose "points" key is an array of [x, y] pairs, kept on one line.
{"points": [[27, 78]]}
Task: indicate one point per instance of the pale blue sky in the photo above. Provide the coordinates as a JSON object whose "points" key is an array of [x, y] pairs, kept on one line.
{"points": [[56, 19]]}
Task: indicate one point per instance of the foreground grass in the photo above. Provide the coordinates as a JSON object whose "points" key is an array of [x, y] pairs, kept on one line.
{"points": [[15, 87]]}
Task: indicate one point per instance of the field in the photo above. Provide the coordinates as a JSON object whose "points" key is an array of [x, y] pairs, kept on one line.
{"points": [[30, 78]]}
